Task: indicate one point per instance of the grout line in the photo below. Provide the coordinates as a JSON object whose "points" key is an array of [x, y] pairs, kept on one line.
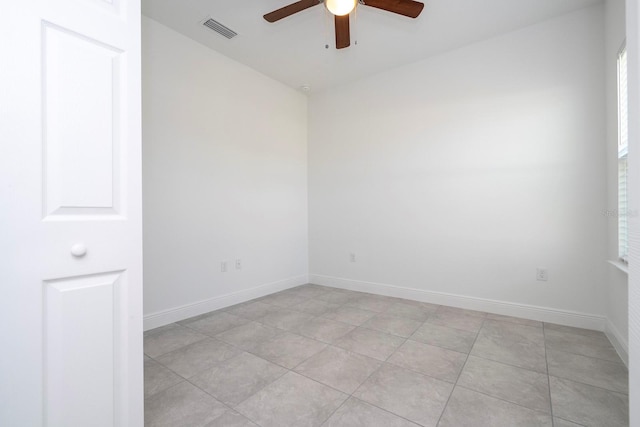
{"points": [[323, 384], [382, 409], [572, 422], [382, 363], [444, 408], [184, 380], [590, 333], [248, 397], [336, 410], [506, 401], [438, 346], [546, 361], [307, 358], [589, 385], [228, 406], [350, 396], [420, 373], [582, 382], [617, 362], [508, 364]]}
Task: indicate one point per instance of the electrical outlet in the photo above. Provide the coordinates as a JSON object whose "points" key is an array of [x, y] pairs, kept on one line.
{"points": [[223, 266], [542, 275], [238, 264], [352, 257]]}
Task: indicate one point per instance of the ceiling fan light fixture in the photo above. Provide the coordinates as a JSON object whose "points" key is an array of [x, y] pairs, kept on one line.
{"points": [[340, 7]]}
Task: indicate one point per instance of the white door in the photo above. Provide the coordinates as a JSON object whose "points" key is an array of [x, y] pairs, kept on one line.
{"points": [[70, 213]]}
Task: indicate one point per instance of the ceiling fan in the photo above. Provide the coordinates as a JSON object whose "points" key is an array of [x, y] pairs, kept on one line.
{"points": [[341, 10]]}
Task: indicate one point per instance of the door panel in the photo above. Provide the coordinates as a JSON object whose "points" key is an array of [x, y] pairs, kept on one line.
{"points": [[81, 90], [70, 214], [80, 339]]}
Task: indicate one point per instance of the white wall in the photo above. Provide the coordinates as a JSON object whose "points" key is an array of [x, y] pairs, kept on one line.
{"points": [[225, 177], [617, 289], [462, 173]]}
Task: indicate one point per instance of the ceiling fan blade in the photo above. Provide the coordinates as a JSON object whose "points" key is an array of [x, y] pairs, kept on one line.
{"points": [[289, 10], [343, 37], [408, 8]]}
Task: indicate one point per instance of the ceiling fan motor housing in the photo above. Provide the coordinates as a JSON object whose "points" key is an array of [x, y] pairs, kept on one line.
{"points": [[341, 9]]}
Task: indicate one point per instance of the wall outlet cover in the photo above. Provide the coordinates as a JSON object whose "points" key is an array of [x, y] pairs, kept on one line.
{"points": [[542, 275]]}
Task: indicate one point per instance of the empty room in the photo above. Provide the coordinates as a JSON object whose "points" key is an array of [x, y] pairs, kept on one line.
{"points": [[321, 213], [443, 187]]}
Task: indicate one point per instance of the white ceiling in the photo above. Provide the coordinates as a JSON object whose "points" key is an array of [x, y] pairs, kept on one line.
{"points": [[293, 50]]}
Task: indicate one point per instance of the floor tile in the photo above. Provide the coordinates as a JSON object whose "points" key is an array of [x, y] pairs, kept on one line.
{"points": [[338, 368], [247, 336], [393, 300], [434, 361], [200, 317], [400, 326], [597, 372], [253, 311], [288, 320], [394, 381], [315, 307], [372, 303], [158, 378], [181, 405], [468, 408], [306, 292], [586, 345], [170, 339], [461, 311], [231, 419], [217, 323], [414, 312], [288, 350], [558, 422], [347, 292], [516, 345], [413, 396], [161, 329], [324, 330], [442, 336], [193, 358], [516, 320], [429, 306], [572, 330], [426, 305], [282, 299], [457, 320], [356, 413], [588, 405], [336, 297], [516, 385], [370, 343], [315, 286], [236, 379], [351, 315], [292, 400]]}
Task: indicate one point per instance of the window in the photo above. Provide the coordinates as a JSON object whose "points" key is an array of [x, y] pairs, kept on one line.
{"points": [[623, 208]]}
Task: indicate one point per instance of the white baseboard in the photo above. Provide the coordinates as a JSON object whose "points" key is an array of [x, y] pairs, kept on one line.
{"points": [[161, 318], [543, 314], [619, 342]]}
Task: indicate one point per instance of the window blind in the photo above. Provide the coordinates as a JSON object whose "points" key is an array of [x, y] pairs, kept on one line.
{"points": [[623, 138]]}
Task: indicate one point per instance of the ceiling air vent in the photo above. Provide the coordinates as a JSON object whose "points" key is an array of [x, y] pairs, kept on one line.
{"points": [[219, 28]]}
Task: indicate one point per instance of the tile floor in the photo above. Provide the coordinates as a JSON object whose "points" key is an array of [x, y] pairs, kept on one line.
{"points": [[318, 356]]}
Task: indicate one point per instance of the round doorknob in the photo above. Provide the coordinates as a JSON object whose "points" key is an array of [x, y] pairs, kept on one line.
{"points": [[78, 250]]}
